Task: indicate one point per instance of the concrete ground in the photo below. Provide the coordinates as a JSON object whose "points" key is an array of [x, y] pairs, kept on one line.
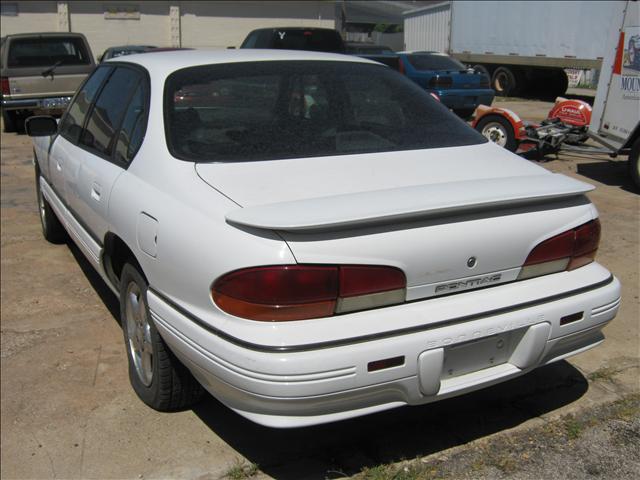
{"points": [[67, 410]]}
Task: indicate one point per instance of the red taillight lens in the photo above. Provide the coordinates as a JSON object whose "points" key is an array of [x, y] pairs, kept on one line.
{"points": [[297, 292], [440, 82], [5, 85], [365, 280], [566, 251], [560, 246], [586, 245]]}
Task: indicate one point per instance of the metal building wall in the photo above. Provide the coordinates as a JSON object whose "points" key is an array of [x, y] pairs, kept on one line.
{"points": [[428, 28]]}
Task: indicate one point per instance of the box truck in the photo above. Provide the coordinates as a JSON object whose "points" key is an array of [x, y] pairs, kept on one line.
{"points": [[521, 45]]}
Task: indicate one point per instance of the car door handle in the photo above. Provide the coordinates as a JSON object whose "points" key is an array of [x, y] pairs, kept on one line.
{"points": [[95, 192], [58, 166]]}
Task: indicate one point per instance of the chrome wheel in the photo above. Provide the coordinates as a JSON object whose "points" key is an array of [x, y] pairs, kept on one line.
{"points": [[139, 333], [495, 133]]}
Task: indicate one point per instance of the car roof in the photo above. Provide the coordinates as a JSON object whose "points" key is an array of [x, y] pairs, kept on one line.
{"points": [[294, 28], [164, 63], [45, 34], [122, 47]]}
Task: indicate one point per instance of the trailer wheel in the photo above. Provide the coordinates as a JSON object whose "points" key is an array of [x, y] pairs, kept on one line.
{"points": [[498, 130], [559, 83], [507, 81], [482, 69], [633, 163]]}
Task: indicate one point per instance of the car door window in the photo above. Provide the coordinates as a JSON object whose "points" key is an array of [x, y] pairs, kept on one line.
{"points": [[133, 127], [71, 124], [104, 119]]}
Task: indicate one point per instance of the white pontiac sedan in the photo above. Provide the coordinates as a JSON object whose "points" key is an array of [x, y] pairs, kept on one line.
{"points": [[311, 237]]}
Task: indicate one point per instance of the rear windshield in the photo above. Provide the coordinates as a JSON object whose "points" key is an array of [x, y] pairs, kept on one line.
{"points": [[314, 40], [435, 62], [289, 109], [45, 52]]}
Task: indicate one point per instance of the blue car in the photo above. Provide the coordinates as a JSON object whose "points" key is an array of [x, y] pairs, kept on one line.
{"points": [[459, 88]]}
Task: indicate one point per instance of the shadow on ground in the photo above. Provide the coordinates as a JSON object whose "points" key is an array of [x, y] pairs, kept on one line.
{"points": [[613, 173], [104, 292], [345, 448]]}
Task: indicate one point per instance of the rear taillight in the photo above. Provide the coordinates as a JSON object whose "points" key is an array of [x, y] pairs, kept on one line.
{"points": [[440, 82], [566, 251], [5, 85], [297, 292]]}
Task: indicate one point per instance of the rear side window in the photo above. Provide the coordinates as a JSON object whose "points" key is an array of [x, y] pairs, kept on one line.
{"points": [[105, 118], [45, 52], [133, 127], [293, 109], [435, 62], [250, 41], [72, 122]]}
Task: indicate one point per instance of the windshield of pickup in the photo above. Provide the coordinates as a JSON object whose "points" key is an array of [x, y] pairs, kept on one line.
{"points": [[287, 109], [45, 52]]}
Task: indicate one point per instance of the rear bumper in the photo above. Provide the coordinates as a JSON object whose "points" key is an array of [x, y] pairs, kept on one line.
{"points": [[465, 99], [325, 384], [46, 104]]}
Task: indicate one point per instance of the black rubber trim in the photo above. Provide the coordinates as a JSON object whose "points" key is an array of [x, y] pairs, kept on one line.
{"points": [[375, 336]]}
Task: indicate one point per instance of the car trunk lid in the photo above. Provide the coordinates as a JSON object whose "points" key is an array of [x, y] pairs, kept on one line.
{"points": [[463, 215]]}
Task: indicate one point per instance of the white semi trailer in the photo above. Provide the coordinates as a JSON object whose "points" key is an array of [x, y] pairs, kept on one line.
{"points": [[521, 45]]}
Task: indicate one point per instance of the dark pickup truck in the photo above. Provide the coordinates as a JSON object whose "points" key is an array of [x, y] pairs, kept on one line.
{"points": [[40, 73]]}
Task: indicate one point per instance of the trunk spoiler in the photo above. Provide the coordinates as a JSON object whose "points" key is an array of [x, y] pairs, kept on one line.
{"points": [[406, 203]]}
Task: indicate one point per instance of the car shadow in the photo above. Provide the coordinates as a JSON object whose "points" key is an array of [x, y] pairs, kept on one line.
{"points": [[345, 448], [99, 286], [613, 173]]}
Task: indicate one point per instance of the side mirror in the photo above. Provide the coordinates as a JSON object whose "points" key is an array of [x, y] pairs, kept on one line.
{"points": [[41, 126]]}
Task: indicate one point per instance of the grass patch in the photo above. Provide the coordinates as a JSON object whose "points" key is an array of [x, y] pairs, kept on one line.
{"points": [[408, 471], [604, 373], [572, 427], [241, 470]]}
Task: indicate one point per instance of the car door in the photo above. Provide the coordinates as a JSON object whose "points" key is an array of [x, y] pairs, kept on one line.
{"points": [[63, 147], [96, 166]]}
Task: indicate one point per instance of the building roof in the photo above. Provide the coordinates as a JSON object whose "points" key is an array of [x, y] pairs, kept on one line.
{"points": [[381, 11]]}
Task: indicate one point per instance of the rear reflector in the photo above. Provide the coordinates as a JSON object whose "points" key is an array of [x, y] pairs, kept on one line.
{"points": [[386, 363], [567, 251], [298, 292], [574, 317]]}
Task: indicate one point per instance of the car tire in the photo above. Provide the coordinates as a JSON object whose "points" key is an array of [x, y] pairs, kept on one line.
{"points": [[52, 229], [507, 81], [465, 113], [498, 130], [9, 121], [156, 375], [633, 163]]}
